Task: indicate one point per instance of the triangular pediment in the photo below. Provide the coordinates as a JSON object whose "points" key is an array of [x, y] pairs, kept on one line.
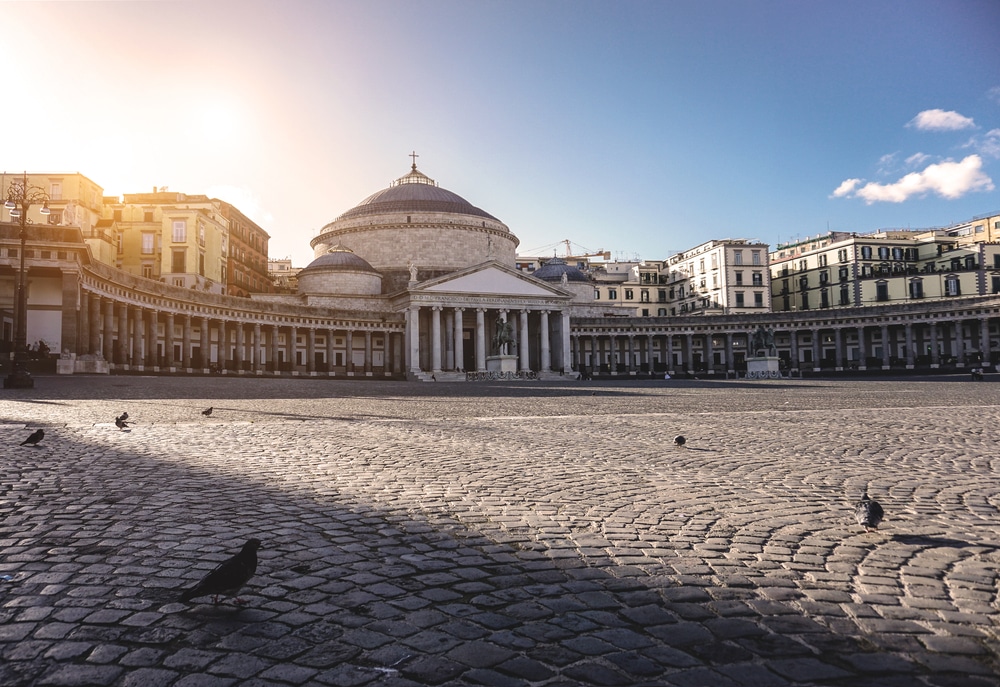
{"points": [[490, 278]]}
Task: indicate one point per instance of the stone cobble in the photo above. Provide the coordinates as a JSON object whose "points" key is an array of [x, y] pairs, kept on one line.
{"points": [[519, 534]]}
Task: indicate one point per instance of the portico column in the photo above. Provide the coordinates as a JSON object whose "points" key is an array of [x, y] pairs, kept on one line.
{"points": [[186, 334], [522, 342], [109, 331], [817, 350], [689, 345], [935, 354], [152, 338], [595, 355], [349, 353], [480, 339], [794, 363], [255, 353], [368, 352], [449, 339], [96, 325], [413, 339], [239, 346], [293, 344], [125, 327], [329, 351], [545, 364], [670, 354], [566, 363], [886, 352], [137, 358], [168, 340], [272, 348], [435, 339], [649, 354], [630, 366], [223, 346], [838, 358], [730, 363], [459, 339], [909, 346], [709, 354], [984, 341], [311, 350], [613, 353], [83, 325], [205, 336]]}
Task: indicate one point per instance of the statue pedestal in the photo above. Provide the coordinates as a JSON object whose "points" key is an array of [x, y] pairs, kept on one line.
{"points": [[765, 367], [501, 363]]}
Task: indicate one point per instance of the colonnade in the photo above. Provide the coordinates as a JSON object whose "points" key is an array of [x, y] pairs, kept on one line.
{"points": [[445, 338], [915, 343], [130, 336]]}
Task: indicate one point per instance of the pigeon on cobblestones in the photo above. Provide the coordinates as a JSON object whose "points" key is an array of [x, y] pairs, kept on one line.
{"points": [[229, 576], [120, 421], [34, 438], [679, 441], [207, 411], [124, 415], [868, 513]]}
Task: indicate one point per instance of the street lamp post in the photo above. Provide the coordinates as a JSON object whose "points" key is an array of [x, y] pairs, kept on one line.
{"points": [[20, 197]]}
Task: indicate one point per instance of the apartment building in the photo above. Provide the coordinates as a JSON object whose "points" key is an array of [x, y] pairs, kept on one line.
{"points": [[247, 264]]}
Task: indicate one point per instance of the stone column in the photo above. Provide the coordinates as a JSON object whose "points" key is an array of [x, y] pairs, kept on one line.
{"points": [[909, 347], [222, 354], [205, 336], [349, 354], [459, 340], [186, 334], [293, 344], [329, 351], [272, 348], [794, 363], [649, 354], [984, 341], [595, 355], [83, 325], [817, 344], [630, 367], [109, 331], [670, 354], [522, 342], [566, 363], [124, 356], [256, 342], [311, 350], [435, 339], [152, 342], [689, 345], [862, 349], [96, 326], [449, 340], [368, 353], [709, 354], [413, 340], [935, 354], [886, 352], [730, 363], [838, 356], [613, 357], [137, 327], [545, 364], [239, 346], [480, 339], [168, 340]]}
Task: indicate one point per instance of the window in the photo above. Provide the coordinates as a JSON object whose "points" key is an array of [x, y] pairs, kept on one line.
{"points": [[803, 265], [996, 284], [739, 299], [805, 301], [758, 279], [755, 256], [916, 288], [644, 295], [645, 312], [178, 281], [970, 262], [952, 286], [824, 276], [822, 260], [739, 278], [55, 190], [147, 242], [147, 216], [628, 294], [612, 294], [866, 252], [842, 255], [117, 215], [597, 294], [180, 231], [803, 283], [661, 295], [824, 298], [758, 299], [881, 291], [147, 271], [661, 312], [843, 274], [178, 264], [883, 252], [701, 265], [845, 295], [737, 257]]}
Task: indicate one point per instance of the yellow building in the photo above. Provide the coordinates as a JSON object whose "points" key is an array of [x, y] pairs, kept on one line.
{"points": [[172, 237]]}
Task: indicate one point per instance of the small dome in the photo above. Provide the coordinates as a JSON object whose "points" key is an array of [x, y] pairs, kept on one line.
{"points": [[554, 269], [340, 258]]}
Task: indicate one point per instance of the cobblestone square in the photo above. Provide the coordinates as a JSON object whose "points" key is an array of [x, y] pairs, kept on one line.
{"points": [[515, 534]]}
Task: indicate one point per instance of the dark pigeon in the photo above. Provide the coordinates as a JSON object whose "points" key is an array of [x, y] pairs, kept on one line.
{"points": [[34, 438], [207, 412], [868, 513], [229, 576], [120, 421], [679, 440], [124, 416]]}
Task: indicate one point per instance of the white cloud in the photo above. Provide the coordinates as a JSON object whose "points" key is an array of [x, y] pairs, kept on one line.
{"points": [[940, 120], [994, 94], [988, 144], [947, 179], [917, 159]]}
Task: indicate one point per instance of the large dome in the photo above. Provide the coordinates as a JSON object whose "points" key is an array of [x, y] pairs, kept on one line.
{"points": [[415, 192]]}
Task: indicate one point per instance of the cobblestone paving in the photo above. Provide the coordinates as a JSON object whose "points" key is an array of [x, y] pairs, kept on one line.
{"points": [[520, 534]]}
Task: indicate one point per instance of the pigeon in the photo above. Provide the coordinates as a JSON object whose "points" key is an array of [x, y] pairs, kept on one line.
{"points": [[120, 421], [229, 576], [679, 441], [207, 412], [124, 416], [868, 513], [34, 438]]}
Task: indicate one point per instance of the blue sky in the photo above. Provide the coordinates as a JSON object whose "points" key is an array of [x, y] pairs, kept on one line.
{"points": [[642, 128]]}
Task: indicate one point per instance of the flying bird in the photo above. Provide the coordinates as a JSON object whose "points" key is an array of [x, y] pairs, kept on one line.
{"points": [[120, 421], [34, 437], [679, 441], [229, 576], [207, 412], [868, 513]]}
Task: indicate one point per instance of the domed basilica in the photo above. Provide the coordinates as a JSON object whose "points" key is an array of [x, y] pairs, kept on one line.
{"points": [[419, 250]]}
